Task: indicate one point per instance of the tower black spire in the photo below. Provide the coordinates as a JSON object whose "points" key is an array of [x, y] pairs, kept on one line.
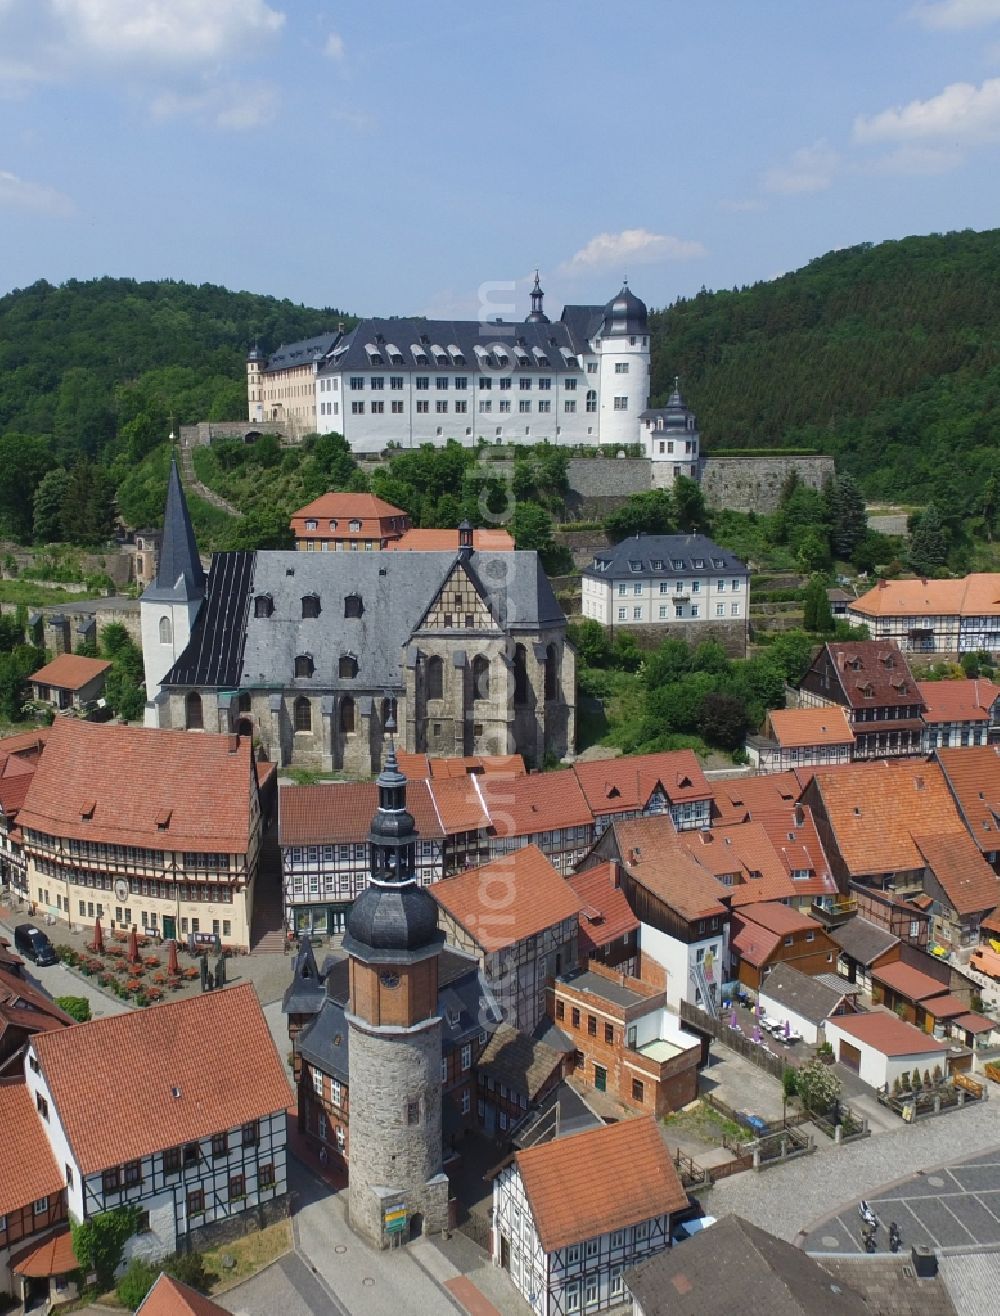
{"points": [[179, 574], [537, 315]]}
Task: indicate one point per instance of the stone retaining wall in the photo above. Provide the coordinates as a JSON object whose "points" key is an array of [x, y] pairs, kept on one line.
{"points": [[754, 484]]}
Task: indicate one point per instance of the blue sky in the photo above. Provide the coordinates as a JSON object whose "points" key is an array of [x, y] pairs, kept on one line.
{"points": [[401, 158]]}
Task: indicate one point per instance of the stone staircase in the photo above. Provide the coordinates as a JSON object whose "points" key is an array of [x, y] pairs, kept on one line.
{"points": [[267, 933], [194, 485]]}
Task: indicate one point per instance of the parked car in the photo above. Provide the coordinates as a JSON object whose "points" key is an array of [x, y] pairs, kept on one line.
{"points": [[34, 945], [986, 961], [688, 1228]]}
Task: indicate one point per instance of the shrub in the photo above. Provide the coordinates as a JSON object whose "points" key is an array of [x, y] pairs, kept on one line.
{"points": [[904, 1079], [136, 1283], [938, 1075], [927, 1078], [896, 1086], [106, 979], [67, 954], [100, 1241], [77, 1007], [915, 1083], [189, 1268]]}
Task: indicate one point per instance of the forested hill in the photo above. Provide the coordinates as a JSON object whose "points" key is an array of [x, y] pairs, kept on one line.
{"points": [[887, 356], [101, 368]]}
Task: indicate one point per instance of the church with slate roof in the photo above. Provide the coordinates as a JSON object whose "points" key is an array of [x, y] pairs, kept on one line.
{"points": [[311, 654]]}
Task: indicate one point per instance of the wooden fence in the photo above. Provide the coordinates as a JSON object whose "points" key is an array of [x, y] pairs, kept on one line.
{"points": [[734, 1039]]}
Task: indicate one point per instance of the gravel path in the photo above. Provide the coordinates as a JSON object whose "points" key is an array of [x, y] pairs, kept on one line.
{"points": [[794, 1198]]}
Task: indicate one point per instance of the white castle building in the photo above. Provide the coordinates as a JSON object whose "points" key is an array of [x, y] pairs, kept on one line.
{"points": [[582, 380]]}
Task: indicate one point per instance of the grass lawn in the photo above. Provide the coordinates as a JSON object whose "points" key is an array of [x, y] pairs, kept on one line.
{"points": [[251, 1253], [702, 1123], [38, 596]]}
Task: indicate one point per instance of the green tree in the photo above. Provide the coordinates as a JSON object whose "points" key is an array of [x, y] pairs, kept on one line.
{"points": [[848, 518], [15, 668], [929, 542], [812, 551], [591, 642], [817, 616], [531, 527], [792, 651], [723, 720], [690, 511], [77, 1007], [650, 513], [264, 528], [24, 459], [123, 686], [88, 506], [818, 1086], [99, 1242], [135, 1284], [50, 495], [11, 633]]}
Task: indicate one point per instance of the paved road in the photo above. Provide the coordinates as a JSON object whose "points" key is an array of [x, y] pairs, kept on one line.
{"points": [[288, 1287], [58, 981], [793, 1199], [948, 1207]]}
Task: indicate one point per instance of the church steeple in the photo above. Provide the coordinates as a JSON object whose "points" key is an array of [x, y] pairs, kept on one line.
{"points": [[179, 574], [537, 315]]}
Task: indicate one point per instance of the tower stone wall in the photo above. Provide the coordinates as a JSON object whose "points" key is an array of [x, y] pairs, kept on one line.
{"points": [[396, 1163]]}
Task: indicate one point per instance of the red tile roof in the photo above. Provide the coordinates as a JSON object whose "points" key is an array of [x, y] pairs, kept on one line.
{"points": [[653, 855], [540, 802], [753, 943], [593, 1183], [28, 1169], [742, 853], [945, 1006], [54, 1255], [779, 918], [796, 728], [19, 757], [460, 805], [792, 832], [976, 595], [875, 666], [973, 776], [907, 981], [511, 898], [625, 784], [133, 776], [975, 1023], [23, 994], [70, 671], [169, 1297], [967, 879], [958, 701], [215, 1050], [444, 541], [341, 811], [875, 808], [346, 507], [421, 767], [885, 1033], [742, 799], [606, 915]]}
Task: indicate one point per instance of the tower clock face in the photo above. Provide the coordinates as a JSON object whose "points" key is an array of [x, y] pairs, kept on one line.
{"points": [[389, 979]]}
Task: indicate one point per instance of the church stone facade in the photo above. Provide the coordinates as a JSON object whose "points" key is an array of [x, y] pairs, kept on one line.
{"points": [[312, 654]]}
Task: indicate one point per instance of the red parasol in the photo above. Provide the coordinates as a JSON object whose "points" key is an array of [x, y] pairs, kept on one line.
{"points": [[98, 944], [172, 966], [133, 946]]}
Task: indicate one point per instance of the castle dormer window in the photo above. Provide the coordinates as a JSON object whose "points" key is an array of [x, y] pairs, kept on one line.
{"points": [[263, 605], [353, 606], [347, 668], [304, 665], [310, 606]]}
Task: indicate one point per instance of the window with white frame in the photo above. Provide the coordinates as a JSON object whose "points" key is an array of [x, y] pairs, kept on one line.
{"points": [[467, 1056], [621, 403], [317, 1082]]}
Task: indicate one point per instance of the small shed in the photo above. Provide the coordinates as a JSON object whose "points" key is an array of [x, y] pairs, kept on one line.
{"points": [[70, 681], [806, 1002], [879, 1048]]}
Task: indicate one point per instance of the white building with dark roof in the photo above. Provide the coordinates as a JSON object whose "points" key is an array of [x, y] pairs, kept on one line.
{"points": [[582, 379], [683, 586]]}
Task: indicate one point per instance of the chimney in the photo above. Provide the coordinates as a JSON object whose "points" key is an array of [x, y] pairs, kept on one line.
{"points": [[616, 875], [465, 537]]}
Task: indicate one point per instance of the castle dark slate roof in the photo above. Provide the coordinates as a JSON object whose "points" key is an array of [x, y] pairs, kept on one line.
{"points": [[625, 315], [466, 345], [302, 353], [667, 556], [179, 574], [233, 647]]}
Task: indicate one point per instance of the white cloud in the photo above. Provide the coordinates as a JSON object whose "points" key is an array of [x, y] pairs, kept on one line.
{"points": [[233, 106], [957, 14], [927, 161], [165, 31], [334, 47], [38, 198], [810, 169], [962, 113], [631, 247]]}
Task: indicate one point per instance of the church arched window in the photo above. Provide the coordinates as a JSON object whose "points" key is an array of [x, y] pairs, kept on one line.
{"points": [[166, 631], [347, 715], [193, 715], [551, 672], [302, 714], [520, 675], [480, 677], [435, 678]]}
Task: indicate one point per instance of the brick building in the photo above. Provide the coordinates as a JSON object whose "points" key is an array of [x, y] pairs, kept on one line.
{"points": [[626, 1042]]}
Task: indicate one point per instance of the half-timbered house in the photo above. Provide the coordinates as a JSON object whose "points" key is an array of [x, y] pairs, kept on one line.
{"points": [[32, 1185], [192, 1134], [570, 1216]]}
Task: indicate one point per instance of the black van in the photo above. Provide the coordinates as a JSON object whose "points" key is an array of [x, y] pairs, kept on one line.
{"points": [[33, 944]]}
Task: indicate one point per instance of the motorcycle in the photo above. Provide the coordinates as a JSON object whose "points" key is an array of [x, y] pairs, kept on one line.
{"points": [[867, 1215], [895, 1237]]}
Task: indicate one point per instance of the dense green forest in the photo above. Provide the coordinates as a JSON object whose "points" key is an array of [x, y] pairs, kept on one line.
{"points": [[886, 356]]}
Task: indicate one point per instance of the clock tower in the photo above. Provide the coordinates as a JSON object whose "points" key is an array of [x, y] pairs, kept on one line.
{"points": [[397, 1188]]}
